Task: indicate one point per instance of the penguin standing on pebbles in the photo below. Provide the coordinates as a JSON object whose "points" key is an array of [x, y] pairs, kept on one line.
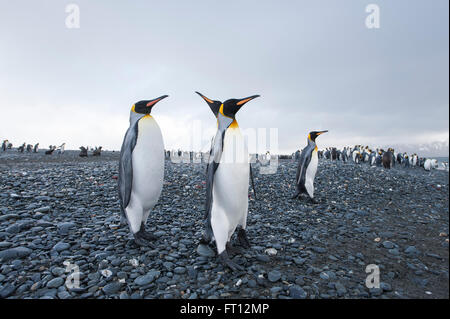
{"points": [[387, 159], [307, 167], [227, 182], [21, 148], [141, 169]]}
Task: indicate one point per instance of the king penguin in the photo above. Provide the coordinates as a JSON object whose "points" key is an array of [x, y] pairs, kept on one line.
{"points": [[307, 167], [227, 181], [141, 169]]}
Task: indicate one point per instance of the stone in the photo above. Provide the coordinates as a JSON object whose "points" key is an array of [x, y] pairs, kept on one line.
{"points": [[274, 276], [297, 292], [14, 253]]}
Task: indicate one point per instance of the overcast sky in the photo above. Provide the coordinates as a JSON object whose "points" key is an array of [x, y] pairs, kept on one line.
{"points": [[315, 64]]}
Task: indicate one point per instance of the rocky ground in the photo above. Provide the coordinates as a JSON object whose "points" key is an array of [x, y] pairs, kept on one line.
{"points": [[62, 208]]}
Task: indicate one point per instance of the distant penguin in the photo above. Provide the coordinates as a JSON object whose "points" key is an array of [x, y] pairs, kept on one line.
{"points": [[379, 158], [227, 182], [357, 157], [355, 153], [365, 156], [62, 148], [406, 160], [333, 154], [141, 169], [393, 157], [372, 158], [97, 151], [83, 152], [21, 148], [344, 155], [4, 145], [307, 167], [50, 150], [387, 159], [29, 148], [430, 164], [422, 161], [327, 154], [399, 158], [36, 148], [414, 160]]}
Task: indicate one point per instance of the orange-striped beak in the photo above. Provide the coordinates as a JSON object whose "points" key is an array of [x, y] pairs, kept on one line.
{"points": [[153, 102], [245, 100]]}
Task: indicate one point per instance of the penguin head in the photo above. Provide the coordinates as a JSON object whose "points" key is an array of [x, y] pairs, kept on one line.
{"points": [[313, 135], [229, 108], [145, 106], [232, 106]]}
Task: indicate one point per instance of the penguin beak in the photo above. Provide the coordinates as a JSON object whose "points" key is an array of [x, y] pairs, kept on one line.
{"points": [[209, 101], [213, 105], [153, 102], [321, 132], [245, 100]]}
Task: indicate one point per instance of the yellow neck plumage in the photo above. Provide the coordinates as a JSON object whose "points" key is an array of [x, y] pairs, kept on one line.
{"points": [[234, 124], [145, 116]]}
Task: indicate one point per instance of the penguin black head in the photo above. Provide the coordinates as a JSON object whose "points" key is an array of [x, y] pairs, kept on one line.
{"points": [[313, 135], [145, 107], [232, 106], [228, 108]]}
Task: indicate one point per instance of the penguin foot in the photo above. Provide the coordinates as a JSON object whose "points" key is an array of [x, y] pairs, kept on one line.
{"points": [[145, 234], [141, 241], [148, 236], [227, 262], [242, 238], [232, 250], [295, 196]]}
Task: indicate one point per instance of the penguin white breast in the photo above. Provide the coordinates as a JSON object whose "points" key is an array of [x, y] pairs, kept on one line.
{"points": [[231, 180], [311, 173], [427, 165], [148, 163]]}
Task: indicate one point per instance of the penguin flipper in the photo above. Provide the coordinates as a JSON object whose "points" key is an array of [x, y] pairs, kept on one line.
{"points": [[215, 156], [125, 179], [305, 159], [253, 182], [214, 160]]}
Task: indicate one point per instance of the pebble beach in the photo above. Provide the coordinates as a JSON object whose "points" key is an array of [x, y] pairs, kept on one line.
{"points": [[61, 209]]}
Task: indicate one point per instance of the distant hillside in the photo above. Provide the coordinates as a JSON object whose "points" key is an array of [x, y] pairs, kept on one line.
{"points": [[433, 149]]}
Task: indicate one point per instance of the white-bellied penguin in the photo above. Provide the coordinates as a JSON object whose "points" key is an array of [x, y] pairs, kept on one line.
{"points": [[141, 169], [307, 167], [227, 181]]}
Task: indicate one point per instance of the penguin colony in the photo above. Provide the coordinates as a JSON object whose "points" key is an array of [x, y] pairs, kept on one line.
{"points": [[141, 173], [29, 148], [379, 157]]}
